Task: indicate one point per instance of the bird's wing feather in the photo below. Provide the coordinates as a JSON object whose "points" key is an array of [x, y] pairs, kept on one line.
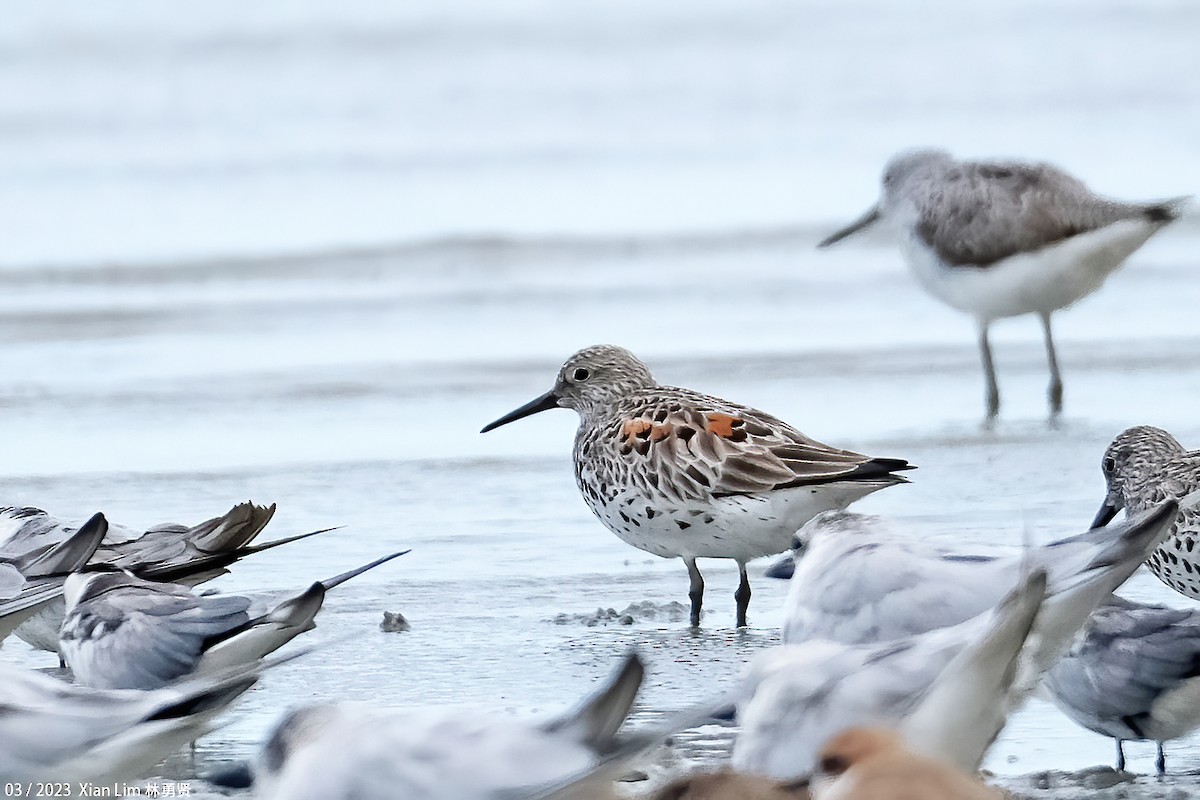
{"points": [[140, 637], [11, 581], [1126, 660], [709, 446], [23, 529], [857, 582], [173, 543], [982, 213]]}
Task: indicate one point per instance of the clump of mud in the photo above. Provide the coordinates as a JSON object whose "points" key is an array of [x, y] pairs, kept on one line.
{"points": [[645, 611], [1099, 783], [394, 623]]}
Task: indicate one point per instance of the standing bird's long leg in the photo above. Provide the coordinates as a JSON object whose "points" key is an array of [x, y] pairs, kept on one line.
{"points": [[1160, 763], [989, 372], [1120, 756], [742, 595], [1056, 387], [696, 590]]}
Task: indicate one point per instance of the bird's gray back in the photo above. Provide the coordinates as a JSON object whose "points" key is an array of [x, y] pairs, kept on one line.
{"points": [[142, 637], [1127, 658], [23, 529], [975, 214]]}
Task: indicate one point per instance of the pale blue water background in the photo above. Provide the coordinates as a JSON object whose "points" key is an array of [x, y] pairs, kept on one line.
{"points": [[302, 252]]}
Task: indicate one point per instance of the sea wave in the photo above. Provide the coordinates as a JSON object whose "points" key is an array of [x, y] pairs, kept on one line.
{"points": [[416, 254]]}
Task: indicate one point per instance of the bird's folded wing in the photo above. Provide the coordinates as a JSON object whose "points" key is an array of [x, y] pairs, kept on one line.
{"points": [[718, 448], [24, 528], [139, 639], [985, 213], [858, 589], [1127, 661]]}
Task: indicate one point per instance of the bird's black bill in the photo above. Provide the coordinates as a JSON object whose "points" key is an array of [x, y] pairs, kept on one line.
{"points": [[354, 573], [854, 227], [544, 403], [724, 714], [783, 568], [1104, 515]]}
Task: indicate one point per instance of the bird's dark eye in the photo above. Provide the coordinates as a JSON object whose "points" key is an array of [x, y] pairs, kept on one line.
{"points": [[834, 765], [581, 374], [1110, 464]]}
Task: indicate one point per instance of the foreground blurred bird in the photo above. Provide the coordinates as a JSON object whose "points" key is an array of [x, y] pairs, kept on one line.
{"points": [[121, 632], [339, 752], [999, 239], [53, 731], [857, 580], [875, 764], [599, 781], [799, 695], [1133, 673], [728, 784], [949, 691], [168, 554], [1142, 467], [683, 475]]}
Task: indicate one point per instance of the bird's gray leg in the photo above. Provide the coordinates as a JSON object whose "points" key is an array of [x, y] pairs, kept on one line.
{"points": [[989, 372], [696, 590], [1056, 387], [1160, 763], [742, 595], [1120, 756]]}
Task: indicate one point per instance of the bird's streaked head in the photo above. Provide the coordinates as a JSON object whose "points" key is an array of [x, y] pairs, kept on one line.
{"points": [[1132, 467], [589, 380]]}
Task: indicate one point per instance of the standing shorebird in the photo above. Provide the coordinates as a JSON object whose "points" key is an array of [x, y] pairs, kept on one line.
{"points": [[683, 475], [1001, 239], [1134, 673], [1142, 467]]}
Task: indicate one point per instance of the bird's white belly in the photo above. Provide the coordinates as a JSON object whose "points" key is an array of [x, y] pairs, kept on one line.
{"points": [[41, 630], [743, 527], [88, 665], [1038, 282]]}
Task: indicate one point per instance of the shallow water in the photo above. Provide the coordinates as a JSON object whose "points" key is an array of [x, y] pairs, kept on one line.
{"points": [[464, 195]]}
